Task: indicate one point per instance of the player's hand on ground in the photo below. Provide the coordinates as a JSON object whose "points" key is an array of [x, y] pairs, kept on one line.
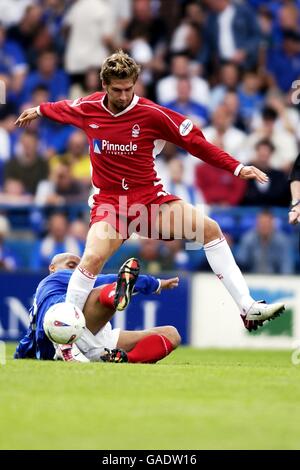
{"points": [[251, 172], [26, 117], [294, 215], [169, 283]]}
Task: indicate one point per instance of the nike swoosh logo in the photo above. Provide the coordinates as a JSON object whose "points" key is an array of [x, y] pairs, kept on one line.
{"points": [[257, 314]]}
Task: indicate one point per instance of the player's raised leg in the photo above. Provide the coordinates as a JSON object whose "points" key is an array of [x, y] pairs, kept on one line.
{"points": [[220, 259], [104, 300], [102, 241]]}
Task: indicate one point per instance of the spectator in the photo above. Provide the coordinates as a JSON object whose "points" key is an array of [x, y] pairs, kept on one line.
{"points": [[77, 157], [265, 249], [58, 240], [219, 187], [62, 189], [14, 194], [153, 26], [273, 193], [91, 27], [265, 21], [27, 167], [90, 85], [285, 144], [193, 14], [232, 103], [8, 261], [250, 97], [181, 67], [79, 230], [286, 17], [53, 138], [228, 81], [150, 256], [287, 58], [12, 63], [288, 118], [223, 134], [232, 33], [26, 32], [174, 256], [49, 76], [185, 104], [12, 11]]}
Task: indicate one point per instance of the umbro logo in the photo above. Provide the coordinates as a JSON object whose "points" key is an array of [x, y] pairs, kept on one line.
{"points": [[94, 126]]}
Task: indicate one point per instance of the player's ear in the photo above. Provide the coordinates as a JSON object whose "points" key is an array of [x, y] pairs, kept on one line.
{"points": [[104, 85], [52, 268]]}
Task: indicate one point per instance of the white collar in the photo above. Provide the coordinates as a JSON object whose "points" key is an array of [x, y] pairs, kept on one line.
{"points": [[134, 101]]}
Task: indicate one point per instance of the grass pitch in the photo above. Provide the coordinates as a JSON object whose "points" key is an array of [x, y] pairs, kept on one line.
{"points": [[194, 399]]}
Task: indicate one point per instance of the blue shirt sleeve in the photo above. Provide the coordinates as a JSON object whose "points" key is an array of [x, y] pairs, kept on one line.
{"points": [[144, 285], [105, 279]]}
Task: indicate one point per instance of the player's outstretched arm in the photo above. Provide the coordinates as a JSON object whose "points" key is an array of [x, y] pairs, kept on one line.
{"points": [[253, 173], [148, 285], [27, 116], [171, 283]]}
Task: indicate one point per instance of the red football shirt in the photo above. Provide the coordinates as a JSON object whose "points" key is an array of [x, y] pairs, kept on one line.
{"points": [[123, 146]]}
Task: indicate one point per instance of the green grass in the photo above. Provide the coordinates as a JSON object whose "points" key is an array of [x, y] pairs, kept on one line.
{"points": [[194, 399]]}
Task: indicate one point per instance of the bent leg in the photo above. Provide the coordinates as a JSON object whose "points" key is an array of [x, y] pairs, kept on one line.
{"points": [[181, 218], [149, 346], [96, 314], [129, 339], [102, 242]]}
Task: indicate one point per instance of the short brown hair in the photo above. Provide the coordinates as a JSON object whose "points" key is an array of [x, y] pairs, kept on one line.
{"points": [[119, 65]]}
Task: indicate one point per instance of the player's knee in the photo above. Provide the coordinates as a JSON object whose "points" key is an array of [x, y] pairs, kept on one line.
{"points": [[95, 261], [172, 334], [212, 230]]}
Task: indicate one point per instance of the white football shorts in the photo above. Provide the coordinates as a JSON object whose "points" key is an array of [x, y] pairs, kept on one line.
{"points": [[92, 346]]}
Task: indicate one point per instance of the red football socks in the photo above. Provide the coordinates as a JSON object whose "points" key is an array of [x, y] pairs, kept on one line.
{"points": [[107, 295], [150, 349]]}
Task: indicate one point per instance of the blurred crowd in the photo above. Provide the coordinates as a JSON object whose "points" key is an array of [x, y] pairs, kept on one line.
{"points": [[230, 66]]}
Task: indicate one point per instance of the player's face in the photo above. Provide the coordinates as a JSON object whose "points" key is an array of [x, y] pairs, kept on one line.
{"points": [[119, 94], [71, 262]]}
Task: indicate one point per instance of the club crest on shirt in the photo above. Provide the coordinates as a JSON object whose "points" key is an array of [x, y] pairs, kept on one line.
{"points": [[185, 127], [136, 130]]}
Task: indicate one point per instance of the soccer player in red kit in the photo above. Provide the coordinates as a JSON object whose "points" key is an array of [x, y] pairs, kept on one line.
{"points": [[125, 133]]}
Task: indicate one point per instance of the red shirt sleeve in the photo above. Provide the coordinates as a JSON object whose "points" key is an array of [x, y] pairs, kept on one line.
{"points": [[66, 112], [181, 131]]}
